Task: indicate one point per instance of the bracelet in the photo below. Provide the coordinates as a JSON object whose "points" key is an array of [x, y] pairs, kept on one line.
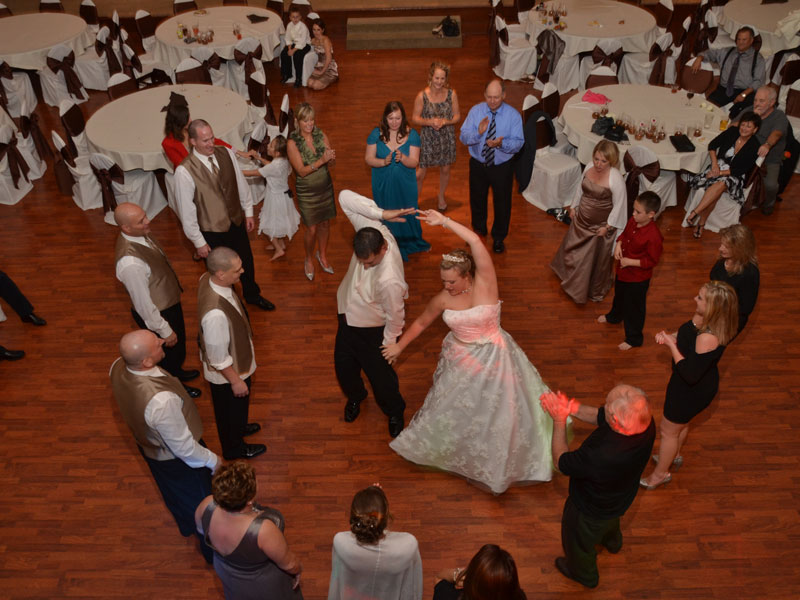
{"points": [[446, 219], [456, 573]]}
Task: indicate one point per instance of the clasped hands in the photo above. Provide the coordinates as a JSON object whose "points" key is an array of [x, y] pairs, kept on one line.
{"points": [[395, 156], [558, 406], [482, 127], [668, 339]]}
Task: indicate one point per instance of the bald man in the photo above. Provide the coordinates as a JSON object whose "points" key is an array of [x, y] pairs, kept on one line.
{"points": [[154, 289], [226, 349], [166, 425], [603, 473]]}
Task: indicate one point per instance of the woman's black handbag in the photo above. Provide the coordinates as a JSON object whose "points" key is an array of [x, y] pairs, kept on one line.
{"points": [[681, 143]]}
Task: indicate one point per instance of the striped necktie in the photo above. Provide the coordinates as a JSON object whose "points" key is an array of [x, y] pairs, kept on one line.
{"points": [[214, 167], [488, 152]]}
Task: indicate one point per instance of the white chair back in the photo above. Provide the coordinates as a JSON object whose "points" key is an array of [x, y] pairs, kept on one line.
{"points": [[186, 64]]}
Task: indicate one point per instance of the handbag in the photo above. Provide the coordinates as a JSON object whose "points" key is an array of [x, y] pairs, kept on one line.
{"points": [[681, 143], [602, 124], [616, 133]]}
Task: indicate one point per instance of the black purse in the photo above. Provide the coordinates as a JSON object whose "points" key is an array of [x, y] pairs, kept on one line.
{"points": [[681, 143], [602, 124]]}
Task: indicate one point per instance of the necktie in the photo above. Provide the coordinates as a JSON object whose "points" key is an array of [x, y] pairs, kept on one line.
{"points": [[214, 167], [488, 152], [732, 76]]}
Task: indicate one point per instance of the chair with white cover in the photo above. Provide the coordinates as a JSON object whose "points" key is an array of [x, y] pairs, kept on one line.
{"points": [[786, 76], [286, 118], [601, 75], [190, 70], [700, 82], [792, 106], [727, 212], [713, 36], [663, 14], [277, 7], [88, 12], [85, 187], [51, 6], [637, 67], [32, 144], [117, 186], [554, 66], [14, 170], [15, 88], [517, 55], [182, 6], [95, 66], [216, 67], [607, 53], [120, 85], [146, 26], [59, 79], [246, 61], [74, 124], [643, 173], [555, 176], [529, 105], [259, 139], [301, 6], [5, 11], [257, 90]]}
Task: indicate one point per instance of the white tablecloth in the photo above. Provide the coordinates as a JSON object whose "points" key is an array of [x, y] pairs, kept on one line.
{"points": [[589, 21], [130, 129], [638, 101], [26, 39], [764, 17], [170, 50]]}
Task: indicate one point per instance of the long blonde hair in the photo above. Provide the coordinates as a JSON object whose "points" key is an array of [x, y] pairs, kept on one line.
{"points": [[742, 243], [722, 311]]}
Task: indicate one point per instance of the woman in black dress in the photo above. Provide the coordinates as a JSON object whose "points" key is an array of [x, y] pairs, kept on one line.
{"points": [[490, 575], [738, 267], [251, 555], [696, 350]]}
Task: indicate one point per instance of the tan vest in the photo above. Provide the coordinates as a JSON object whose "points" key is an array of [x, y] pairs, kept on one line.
{"points": [[238, 326], [165, 289], [216, 198], [134, 392]]}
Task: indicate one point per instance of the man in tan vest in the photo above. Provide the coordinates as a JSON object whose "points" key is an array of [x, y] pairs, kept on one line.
{"points": [[226, 349], [167, 428], [153, 286], [215, 206]]}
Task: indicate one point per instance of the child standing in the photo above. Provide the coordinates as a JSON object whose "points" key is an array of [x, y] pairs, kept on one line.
{"points": [[637, 250], [279, 218]]}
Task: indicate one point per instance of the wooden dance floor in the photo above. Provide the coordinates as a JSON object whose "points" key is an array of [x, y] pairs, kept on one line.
{"points": [[82, 517]]}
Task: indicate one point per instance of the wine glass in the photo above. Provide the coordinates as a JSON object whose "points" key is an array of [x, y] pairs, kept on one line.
{"points": [[689, 96]]}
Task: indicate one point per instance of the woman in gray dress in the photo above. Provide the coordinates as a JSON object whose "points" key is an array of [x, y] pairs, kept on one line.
{"points": [[251, 555], [310, 154]]}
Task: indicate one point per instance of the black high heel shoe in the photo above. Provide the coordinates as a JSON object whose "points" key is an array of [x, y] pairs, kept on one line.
{"points": [[691, 219], [698, 230]]}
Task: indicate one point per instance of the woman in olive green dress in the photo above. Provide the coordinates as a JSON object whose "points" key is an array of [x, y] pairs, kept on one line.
{"points": [[310, 154]]}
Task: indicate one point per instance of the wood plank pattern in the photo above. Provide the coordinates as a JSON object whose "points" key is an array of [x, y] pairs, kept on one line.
{"points": [[82, 517]]}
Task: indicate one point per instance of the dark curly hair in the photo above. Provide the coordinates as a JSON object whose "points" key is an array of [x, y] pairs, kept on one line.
{"points": [[369, 515], [176, 121], [234, 485], [492, 575], [402, 133]]}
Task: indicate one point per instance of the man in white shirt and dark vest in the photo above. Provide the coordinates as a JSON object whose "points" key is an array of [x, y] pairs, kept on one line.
{"points": [[215, 206], [371, 310], [154, 289], [226, 349], [167, 428]]}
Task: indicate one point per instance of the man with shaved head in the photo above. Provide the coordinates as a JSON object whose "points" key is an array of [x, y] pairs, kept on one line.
{"points": [[492, 132], [166, 425], [153, 287], [226, 349], [603, 473]]}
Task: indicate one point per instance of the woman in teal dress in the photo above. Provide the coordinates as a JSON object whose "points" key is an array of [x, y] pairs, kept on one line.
{"points": [[393, 154]]}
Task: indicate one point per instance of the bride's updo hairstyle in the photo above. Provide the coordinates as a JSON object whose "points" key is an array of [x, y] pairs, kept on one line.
{"points": [[369, 515], [460, 260]]}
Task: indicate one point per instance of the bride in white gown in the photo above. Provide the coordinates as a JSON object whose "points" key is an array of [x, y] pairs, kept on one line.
{"points": [[482, 418]]}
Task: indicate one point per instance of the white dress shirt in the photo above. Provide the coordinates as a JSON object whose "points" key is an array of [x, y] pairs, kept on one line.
{"points": [[217, 337], [373, 297], [165, 416], [134, 274], [184, 197], [297, 34]]}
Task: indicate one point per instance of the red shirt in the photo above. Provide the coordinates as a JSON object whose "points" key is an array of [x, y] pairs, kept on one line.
{"points": [[176, 151], [644, 243]]}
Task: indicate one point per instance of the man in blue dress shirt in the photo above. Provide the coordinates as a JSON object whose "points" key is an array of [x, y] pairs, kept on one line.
{"points": [[492, 132]]}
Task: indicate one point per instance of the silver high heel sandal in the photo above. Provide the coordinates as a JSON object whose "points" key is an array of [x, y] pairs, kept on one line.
{"points": [[324, 268]]}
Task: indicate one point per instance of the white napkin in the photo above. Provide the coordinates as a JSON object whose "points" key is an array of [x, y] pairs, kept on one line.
{"points": [[789, 25]]}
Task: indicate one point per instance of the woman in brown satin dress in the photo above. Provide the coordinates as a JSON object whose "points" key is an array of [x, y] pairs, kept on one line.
{"points": [[251, 555], [585, 258]]}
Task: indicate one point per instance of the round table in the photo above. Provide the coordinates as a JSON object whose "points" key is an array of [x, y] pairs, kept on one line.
{"points": [[764, 17], [26, 39], [171, 50], [638, 101], [130, 129], [589, 21]]}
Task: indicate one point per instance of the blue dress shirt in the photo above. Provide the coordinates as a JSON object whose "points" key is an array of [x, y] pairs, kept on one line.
{"points": [[508, 125]]}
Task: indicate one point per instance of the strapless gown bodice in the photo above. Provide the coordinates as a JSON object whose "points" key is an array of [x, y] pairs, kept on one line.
{"points": [[478, 324]]}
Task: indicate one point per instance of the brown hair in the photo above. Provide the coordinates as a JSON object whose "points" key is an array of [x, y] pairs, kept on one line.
{"points": [[722, 311], [609, 150], [304, 112], [369, 515], [437, 64], [460, 260], [650, 201], [280, 146], [492, 575], [742, 243], [234, 485], [176, 121], [384, 124]]}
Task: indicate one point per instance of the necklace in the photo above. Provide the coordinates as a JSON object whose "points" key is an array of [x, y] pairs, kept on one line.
{"points": [[466, 291]]}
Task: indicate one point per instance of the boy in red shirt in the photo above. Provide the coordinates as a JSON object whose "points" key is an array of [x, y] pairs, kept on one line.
{"points": [[638, 250]]}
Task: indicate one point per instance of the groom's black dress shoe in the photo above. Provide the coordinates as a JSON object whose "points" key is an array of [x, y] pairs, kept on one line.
{"points": [[499, 247], [192, 391], [185, 375], [251, 428], [6, 354], [351, 411], [395, 426], [35, 319], [263, 303], [249, 451]]}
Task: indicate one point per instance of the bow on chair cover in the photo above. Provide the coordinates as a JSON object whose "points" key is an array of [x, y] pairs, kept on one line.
{"points": [[214, 62], [270, 116], [106, 177], [494, 43], [704, 37], [111, 57], [651, 171], [73, 123], [249, 67], [659, 59], [756, 196], [5, 73], [131, 64], [70, 76], [16, 163], [29, 125], [599, 56]]}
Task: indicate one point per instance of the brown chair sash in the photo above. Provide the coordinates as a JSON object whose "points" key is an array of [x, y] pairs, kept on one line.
{"points": [[651, 171], [705, 36], [122, 89], [146, 26], [276, 6], [793, 103], [246, 58], [756, 196], [55, 7], [5, 73], [270, 116], [551, 47], [182, 7], [544, 134], [16, 163], [111, 57], [131, 64], [697, 83], [67, 66], [195, 75], [73, 121], [260, 146], [88, 14], [257, 92], [494, 43], [212, 62], [598, 80], [659, 58], [68, 155], [599, 56], [663, 15], [29, 125], [64, 178], [776, 61], [106, 177], [6, 12]]}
